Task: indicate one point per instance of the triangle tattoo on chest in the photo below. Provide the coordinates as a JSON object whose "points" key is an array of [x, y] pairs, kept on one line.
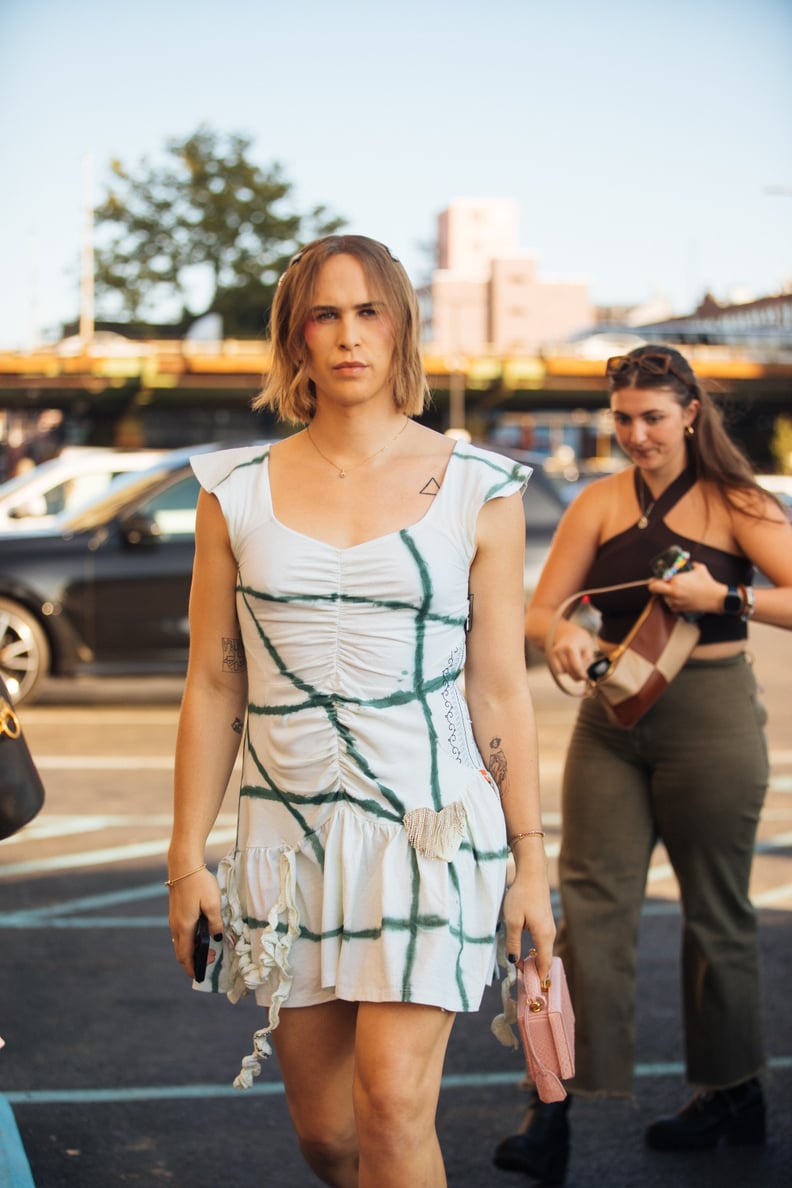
{"points": [[430, 488]]}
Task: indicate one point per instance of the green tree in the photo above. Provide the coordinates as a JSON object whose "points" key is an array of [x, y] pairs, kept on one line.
{"points": [[209, 221]]}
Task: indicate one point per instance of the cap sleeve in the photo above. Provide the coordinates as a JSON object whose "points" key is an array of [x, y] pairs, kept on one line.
{"points": [[214, 468], [495, 475], [477, 476]]}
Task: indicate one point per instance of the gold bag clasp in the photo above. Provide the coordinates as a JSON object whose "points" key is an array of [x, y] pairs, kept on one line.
{"points": [[9, 722]]}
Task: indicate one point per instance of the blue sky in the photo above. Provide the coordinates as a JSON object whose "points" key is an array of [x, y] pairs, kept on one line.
{"points": [[640, 140]]}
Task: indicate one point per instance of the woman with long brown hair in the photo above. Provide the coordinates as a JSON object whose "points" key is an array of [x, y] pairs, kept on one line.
{"points": [[691, 773]]}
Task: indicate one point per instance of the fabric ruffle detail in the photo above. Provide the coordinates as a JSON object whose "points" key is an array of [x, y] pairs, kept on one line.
{"points": [[251, 1065], [502, 1025], [246, 972]]}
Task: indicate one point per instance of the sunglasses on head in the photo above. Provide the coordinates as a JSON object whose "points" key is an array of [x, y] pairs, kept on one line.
{"points": [[656, 364]]}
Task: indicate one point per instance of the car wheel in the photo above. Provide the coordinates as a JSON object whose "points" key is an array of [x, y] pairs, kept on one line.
{"points": [[24, 651]]}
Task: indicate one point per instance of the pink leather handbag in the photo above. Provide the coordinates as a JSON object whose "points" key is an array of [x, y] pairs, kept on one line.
{"points": [[547, 1027]]}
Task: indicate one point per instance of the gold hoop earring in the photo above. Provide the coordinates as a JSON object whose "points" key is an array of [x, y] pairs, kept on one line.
{"points": [[690, 431]]}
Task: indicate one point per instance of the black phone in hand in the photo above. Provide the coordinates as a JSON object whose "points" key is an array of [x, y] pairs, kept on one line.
{"points": [[670, 562], [201, 948]]}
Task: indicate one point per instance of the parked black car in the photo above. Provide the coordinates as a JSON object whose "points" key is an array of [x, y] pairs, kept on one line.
{"points": [[105, 592]]}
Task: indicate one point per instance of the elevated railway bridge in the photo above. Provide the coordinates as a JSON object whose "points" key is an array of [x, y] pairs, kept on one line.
{"points": [[172, 393]]}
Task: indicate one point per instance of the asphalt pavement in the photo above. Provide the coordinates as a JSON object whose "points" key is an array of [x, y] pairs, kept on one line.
{"points": [[115, 1073]]}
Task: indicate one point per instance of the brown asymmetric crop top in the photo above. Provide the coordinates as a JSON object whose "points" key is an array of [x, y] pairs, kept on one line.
{"points": [[627, 557]]}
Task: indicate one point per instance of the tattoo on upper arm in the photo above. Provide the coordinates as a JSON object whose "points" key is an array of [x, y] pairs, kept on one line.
{"points": [[496, 764], [236, 725], [233, 655]]}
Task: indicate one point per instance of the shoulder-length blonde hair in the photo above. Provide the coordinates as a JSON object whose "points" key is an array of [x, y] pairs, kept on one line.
{"points": [[288, 388]]}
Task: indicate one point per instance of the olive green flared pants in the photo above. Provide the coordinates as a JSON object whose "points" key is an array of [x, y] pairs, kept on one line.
{"points": [[692, 774]]}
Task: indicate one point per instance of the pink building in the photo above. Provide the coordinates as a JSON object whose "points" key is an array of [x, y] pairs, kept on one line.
{"points": [[488, 299]]}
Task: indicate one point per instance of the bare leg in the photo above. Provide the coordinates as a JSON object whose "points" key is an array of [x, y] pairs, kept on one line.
{"points": [[316, 1052], [400, 1049]]}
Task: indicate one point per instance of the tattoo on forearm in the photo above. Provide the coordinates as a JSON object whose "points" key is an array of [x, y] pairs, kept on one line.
{"points": [[233, 655], [497, 765], [236, 725]]}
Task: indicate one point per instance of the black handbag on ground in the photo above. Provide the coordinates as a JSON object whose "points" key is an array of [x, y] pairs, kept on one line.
{"points": [[21, 789]]}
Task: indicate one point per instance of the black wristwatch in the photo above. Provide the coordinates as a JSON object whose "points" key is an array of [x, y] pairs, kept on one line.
{"points": [[733, 602]]}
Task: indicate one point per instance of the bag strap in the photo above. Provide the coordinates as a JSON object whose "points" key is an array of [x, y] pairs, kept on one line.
{"points": [[566, 606], [669, 498]]}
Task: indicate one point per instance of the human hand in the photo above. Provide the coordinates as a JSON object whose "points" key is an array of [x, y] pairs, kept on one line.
{"points": [[527, 908], [573, 651], [188, 898], [692, 591]]}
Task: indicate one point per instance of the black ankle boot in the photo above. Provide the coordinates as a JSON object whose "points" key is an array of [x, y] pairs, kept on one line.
{"points": [[540, 1150], [736, 1115]]}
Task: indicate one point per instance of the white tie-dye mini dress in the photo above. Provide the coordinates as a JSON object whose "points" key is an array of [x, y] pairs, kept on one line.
{"points": [[371, 853]]}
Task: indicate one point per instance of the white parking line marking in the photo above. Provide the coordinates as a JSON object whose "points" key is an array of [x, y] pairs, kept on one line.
{"points": [[773, 897], [100, 857], [275, 1088], [779, 842], [49, 914], [39, 715], [104, 762], [63, 825]]}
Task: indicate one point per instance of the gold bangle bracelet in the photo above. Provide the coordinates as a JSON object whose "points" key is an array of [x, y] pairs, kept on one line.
{"points": [[178, 879], [512, 841]]}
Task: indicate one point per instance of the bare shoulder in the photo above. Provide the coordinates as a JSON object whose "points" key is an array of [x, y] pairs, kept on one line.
{"points": [[756, 503], [427, 443], [603, 496]]}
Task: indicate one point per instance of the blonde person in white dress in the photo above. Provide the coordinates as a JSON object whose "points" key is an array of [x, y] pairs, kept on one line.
{"points": [[343, 579]]}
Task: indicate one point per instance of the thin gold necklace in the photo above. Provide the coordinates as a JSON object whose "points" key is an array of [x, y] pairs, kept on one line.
{"points": [[646, 511], [344, 471]]}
